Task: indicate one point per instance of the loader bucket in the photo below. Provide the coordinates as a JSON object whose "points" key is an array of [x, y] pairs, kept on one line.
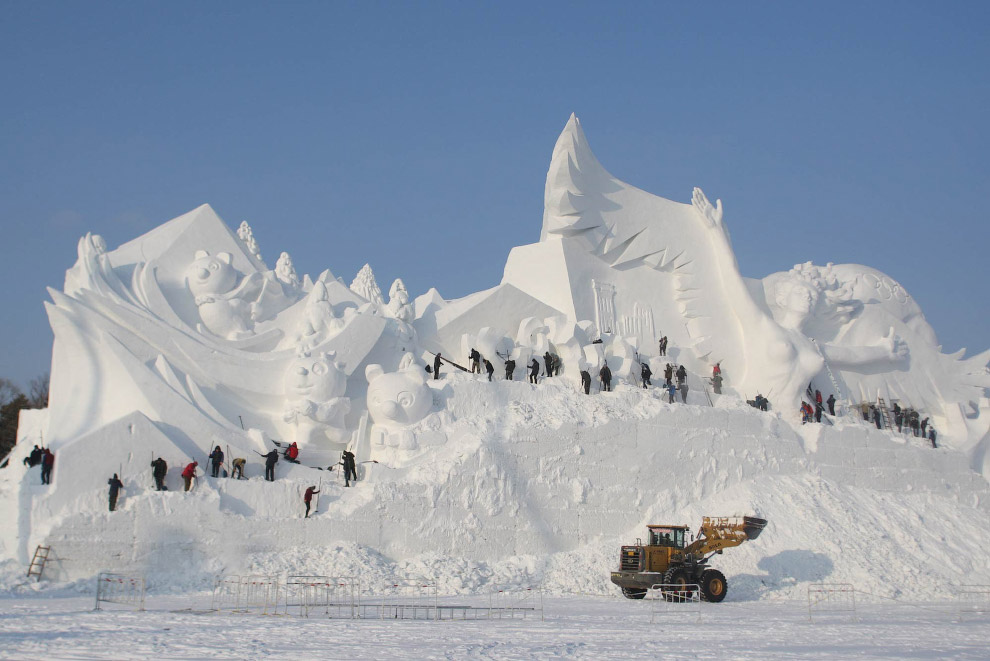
{"points": [[753, 526]]}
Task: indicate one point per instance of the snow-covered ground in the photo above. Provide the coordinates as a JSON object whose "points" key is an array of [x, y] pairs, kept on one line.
{"points": [[581, 627]]}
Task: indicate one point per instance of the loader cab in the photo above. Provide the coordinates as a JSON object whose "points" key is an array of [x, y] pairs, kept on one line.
{"points": [[667, 536]]}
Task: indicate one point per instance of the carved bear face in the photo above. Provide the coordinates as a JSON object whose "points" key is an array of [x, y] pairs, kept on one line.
{"points": [[316, 378], [211, 274], [398, 398]]}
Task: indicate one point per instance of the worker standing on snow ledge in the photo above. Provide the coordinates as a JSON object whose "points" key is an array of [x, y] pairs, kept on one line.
{"points": [[534, 371], [475, 358], [238, 465], [831, 404], [605, 374], [115, 486], [158, 470], [668, 374], [717, 384], [270, 460], [216, 457], [548, 362], [350, 470], [436, 367], [671, 391], [510, 367], [489, 368], [646, 373], [586, 381], [308, 498], [188, 473], [47, 463]]}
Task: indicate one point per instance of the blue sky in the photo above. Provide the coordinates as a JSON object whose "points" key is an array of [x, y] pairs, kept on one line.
{"points": [[416, 136]]}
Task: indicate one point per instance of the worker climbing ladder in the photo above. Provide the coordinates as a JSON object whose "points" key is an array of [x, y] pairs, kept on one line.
{"points": [[38, 562]]}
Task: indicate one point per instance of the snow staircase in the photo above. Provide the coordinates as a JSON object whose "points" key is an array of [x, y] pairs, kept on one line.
{"points": [[38, 562]]}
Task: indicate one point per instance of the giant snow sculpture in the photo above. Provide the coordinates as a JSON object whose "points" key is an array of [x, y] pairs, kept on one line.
{"points": [[188, 327]]}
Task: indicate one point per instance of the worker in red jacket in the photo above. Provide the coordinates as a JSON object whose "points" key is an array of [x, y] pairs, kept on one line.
{"points": [[308, 498], [292, 453], [188, 473], [47, 463]]}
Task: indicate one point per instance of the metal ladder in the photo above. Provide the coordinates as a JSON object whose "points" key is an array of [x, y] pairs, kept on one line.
{"points": [[37, 566], [885, 416], [828, 370]]}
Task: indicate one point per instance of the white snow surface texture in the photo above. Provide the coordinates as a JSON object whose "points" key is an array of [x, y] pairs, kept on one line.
{"points": [[183, 340]]}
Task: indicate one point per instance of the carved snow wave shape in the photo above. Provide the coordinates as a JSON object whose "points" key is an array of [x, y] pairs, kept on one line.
{"points": [[188, 325], [856, 333]]}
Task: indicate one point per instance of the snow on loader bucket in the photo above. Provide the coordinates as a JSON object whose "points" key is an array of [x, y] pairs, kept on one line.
{"points": [[669, 559]]}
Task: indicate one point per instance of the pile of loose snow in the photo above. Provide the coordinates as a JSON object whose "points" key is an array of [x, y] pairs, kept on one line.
{"points": [[527, 485]]}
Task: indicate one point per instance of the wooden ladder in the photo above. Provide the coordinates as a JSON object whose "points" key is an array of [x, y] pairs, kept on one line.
{"points": [[884, 413], [37, 566]]}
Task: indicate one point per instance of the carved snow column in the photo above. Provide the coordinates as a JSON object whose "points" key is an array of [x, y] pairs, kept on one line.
{"points": [[604, 306], [640, 326]]}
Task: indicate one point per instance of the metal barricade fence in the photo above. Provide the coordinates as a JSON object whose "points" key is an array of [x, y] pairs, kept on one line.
{"points": [[306, 595], [246, 594], [409, 599], [974, 601], [831, 599], [326, 596], [670, 600], [226, 590], [511, 603], [121, 589]]}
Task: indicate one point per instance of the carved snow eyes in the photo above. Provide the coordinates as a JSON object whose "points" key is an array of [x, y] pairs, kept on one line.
{"points": [[214, 266], [405, 399], [319, 368]]}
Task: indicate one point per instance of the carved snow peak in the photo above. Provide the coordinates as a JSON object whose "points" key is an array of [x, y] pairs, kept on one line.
{"points": [[365, 286], [575, 185], [285, 271], [246, 236]]}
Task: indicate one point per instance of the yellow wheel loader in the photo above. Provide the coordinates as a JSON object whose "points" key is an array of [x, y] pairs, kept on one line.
{"points": [[669, 559]]}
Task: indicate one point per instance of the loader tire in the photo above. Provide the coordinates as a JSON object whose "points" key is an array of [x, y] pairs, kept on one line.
{"points": [[713, 586], [679, 579], [633, 593]]}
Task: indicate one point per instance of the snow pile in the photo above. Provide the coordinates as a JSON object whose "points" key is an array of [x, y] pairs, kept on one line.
{"points": [[541, 484]]}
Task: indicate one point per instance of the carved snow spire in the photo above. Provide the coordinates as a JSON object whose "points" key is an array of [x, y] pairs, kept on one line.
{"points": [[366, 286], [247, 237], [398, 302], [285, 271]]}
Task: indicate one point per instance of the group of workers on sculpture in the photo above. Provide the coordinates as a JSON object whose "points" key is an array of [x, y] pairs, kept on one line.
{"points": [[552, 364], [675, 380], [159, 469]]}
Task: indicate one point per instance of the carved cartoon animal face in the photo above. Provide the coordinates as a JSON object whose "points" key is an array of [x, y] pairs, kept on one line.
{"points": [[211, 274], [316, 378], [398, 398]]}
